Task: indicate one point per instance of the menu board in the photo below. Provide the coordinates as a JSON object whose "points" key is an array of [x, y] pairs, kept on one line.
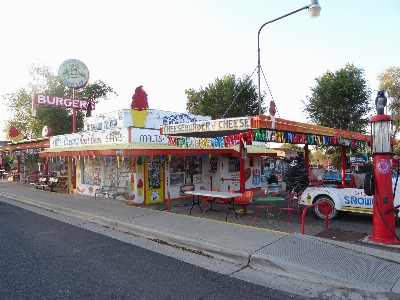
{"points": [[154, 175], [213, 164]]}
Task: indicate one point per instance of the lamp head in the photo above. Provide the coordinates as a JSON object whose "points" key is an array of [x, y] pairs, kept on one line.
{"points": [[314, 9]]}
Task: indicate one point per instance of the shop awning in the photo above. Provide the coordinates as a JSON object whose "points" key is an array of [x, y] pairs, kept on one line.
{"points": [[253, 150], [24, 145], [150, 149], [130, 149]]}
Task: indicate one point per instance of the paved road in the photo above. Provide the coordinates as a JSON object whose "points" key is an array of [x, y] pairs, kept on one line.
{"points": [[303, 265], [42, 258]]}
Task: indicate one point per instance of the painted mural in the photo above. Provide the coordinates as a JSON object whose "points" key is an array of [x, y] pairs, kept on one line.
{"points": [[177, 118], [116, 167], [92, 171], [155, 174]]}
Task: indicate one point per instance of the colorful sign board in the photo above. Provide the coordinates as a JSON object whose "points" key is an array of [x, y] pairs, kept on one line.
{"points": [[115, 136], [143, 135], [357, 161], [40, 99], [242, 123], [73, 73]]}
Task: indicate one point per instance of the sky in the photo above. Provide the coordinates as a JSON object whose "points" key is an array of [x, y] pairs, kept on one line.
{"points": [[170, 46]]}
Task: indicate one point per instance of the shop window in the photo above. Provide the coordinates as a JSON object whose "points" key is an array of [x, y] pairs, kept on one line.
{"points": [[92, 172], [234, 165], [191, 167]]}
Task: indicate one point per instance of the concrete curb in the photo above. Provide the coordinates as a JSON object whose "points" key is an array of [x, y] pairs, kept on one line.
{"points": [[236, 257], [379, 253]]}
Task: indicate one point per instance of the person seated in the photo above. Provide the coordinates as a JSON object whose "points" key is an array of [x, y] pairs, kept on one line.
{"points": [[273, 179]]}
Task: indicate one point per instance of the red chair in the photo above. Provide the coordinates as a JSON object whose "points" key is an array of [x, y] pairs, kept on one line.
{"points": [[244, 200], [225, 200], [209, 199], [293, 205]]}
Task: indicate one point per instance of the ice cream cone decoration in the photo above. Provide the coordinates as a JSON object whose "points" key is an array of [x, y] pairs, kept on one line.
{"points": [[15, 136], [140, 187], [46, 131], [132, 182], [139, 107]]}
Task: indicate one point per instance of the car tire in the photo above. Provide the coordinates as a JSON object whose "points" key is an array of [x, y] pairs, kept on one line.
{"points": [[320, 210], [369, 184]]}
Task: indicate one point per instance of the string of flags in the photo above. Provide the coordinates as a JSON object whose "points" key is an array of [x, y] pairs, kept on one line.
{"points": [[263, 135]]}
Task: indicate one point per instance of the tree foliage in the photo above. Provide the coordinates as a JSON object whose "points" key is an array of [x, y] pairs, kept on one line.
{"points": [[292, 147], [341, 100], [389, 81], [59, 119], [297, 179], [227, 97]]}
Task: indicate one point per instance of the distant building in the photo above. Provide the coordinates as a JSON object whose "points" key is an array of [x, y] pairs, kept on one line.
{"points": [[286, 153], [3, 143]]}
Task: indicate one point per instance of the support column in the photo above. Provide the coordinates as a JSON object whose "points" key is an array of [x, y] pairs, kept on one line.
{"points": [[18, 163], [242, 169], [343, 165], [307, 160]]}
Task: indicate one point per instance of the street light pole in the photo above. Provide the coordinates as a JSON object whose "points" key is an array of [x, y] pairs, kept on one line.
{"points": [[314, 11]]}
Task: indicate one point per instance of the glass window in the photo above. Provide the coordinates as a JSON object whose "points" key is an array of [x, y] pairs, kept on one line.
{"points": [[191, 166], [234, 165]]}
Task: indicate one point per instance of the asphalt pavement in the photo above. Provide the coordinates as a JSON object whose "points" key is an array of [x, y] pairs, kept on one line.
{"points": [[347, 264]]}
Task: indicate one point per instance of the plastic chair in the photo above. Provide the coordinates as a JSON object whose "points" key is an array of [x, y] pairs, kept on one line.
{"points": [[209, 199], [293, 205], [244, 200], [226, 200]]}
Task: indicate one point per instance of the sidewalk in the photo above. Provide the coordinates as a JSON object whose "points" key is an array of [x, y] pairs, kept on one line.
{"points": [[368, 268]]}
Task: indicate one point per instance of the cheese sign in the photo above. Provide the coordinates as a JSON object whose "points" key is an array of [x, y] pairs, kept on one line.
{"points": [[49, 100], [241, 123]]}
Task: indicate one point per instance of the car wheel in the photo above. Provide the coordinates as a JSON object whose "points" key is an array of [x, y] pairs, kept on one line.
{"points": [[320, 210], [369, 184]]}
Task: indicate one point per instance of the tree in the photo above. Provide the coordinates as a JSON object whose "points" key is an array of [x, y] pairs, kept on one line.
{"points": [[59, 119], [389, 81], [292, 147], [340, 100], [297, 178], [225, 98]]}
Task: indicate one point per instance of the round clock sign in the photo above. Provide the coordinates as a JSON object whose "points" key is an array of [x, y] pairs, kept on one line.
{"points": [[73, 73], [383, 166]]}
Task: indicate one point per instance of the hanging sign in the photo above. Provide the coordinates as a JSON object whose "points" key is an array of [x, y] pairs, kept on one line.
{"points": [[242, 123], [40, 99], [88, 138], [73, 73]]}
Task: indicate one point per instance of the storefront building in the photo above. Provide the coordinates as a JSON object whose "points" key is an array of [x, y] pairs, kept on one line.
{"points": [[147, 164]]}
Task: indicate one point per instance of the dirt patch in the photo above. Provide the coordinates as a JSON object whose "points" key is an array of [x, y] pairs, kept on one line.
{"points": [[342, 235]]}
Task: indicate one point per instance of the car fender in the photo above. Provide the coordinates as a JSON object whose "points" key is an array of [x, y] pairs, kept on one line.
{"points": [[315, 192]]}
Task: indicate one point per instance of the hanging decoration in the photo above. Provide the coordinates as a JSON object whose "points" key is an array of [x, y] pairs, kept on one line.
{"points": [[263, 135]]}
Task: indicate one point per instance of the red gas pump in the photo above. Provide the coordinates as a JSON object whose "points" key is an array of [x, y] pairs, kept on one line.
{"points": [[379, 183]]}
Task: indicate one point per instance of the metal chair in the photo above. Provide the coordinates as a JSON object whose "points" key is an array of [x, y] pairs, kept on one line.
{"points": [[106, 188], [293, 205], [108, 184], [122, 187]]}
